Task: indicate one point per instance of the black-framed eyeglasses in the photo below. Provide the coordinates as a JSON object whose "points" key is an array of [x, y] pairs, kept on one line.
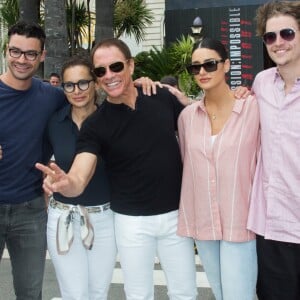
{"points": [[83, 85], [288, 34], [208, 66], [114, 67], [29, 55]]}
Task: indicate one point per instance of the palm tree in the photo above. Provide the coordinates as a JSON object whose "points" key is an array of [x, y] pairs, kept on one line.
{"points": [[78, 21], [29, 10], [155, 64], [57, 37], [117, 17], [9, 12], [89, 24], [131, 17], [104, 19], [170, 60]]}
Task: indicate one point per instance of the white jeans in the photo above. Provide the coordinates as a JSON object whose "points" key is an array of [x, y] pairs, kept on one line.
{"points": [[139, 240], [84, 274]]}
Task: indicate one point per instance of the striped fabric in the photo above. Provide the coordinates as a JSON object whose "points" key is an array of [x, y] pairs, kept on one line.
{"points": [[217, 177]]}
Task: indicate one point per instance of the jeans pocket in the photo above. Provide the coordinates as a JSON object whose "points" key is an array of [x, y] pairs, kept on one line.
{"points": [[37, 203]]}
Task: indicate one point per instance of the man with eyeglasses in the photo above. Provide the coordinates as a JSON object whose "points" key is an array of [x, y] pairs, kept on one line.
{"points": [[275, 205], [26, 104]]}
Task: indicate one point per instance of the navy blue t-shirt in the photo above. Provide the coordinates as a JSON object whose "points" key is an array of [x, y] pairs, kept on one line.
{"points": [[23, 119]]}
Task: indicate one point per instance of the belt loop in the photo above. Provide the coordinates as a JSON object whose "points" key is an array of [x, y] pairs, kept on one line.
{"points": [[52, 201]]}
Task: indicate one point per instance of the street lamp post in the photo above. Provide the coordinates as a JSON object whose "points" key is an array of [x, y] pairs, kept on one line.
{"points": [[196, 29]]}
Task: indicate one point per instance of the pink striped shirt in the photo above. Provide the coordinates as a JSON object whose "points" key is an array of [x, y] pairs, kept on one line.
{"points": [[217, 178], [275, 203]]}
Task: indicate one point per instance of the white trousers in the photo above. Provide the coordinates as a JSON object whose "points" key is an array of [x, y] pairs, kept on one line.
{"points": [[84, 274], [139, 240]]}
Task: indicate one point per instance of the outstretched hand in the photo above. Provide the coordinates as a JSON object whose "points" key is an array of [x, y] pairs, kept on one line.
{"points": [[56, 180]]}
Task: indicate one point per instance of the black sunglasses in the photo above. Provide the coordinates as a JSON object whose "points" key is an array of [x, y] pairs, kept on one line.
{"points": [[209, 66], [114, 67], [288, 34]]}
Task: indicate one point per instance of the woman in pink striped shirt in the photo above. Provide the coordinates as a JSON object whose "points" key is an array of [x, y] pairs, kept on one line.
{"points": [[219, 140]]}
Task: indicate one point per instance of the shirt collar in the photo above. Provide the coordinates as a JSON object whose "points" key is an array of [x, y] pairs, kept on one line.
{"points": [[278, 79], [237, 107], [64, 113]]}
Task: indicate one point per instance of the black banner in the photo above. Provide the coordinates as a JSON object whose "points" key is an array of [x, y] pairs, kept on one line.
{"points": [[235, 27]]}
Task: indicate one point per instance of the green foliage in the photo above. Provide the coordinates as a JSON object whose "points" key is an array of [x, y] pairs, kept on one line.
{"points": [[141, 62], [81, 23], [154, 64], [9, 12], [188, 85], [9, 15], [170, 60], [182, 50], [131, 17]]}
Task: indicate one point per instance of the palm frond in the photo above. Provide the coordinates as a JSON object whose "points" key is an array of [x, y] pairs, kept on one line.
{"points": [[131, 17]]}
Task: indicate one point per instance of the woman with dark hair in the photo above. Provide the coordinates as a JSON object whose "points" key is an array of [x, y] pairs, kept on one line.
{"points": [[80, 230], [219, 141]]}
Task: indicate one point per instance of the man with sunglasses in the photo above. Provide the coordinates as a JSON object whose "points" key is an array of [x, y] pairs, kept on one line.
{"points": [[135, 135], [26, 104], [275, 205]]}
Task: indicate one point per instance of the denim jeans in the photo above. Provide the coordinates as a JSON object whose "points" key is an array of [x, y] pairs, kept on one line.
{"points": [[81, 273], [23, 229], [231, 268], [139, 239]]}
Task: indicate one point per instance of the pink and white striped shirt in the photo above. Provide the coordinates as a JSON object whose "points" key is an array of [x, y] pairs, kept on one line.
{"points": [[217, 177], [275, 204]]}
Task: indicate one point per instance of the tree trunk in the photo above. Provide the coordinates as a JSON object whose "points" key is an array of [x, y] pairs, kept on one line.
{"points": [[104, 19], [89, 26], [73, 3], [29, 10], [57, 36]]}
